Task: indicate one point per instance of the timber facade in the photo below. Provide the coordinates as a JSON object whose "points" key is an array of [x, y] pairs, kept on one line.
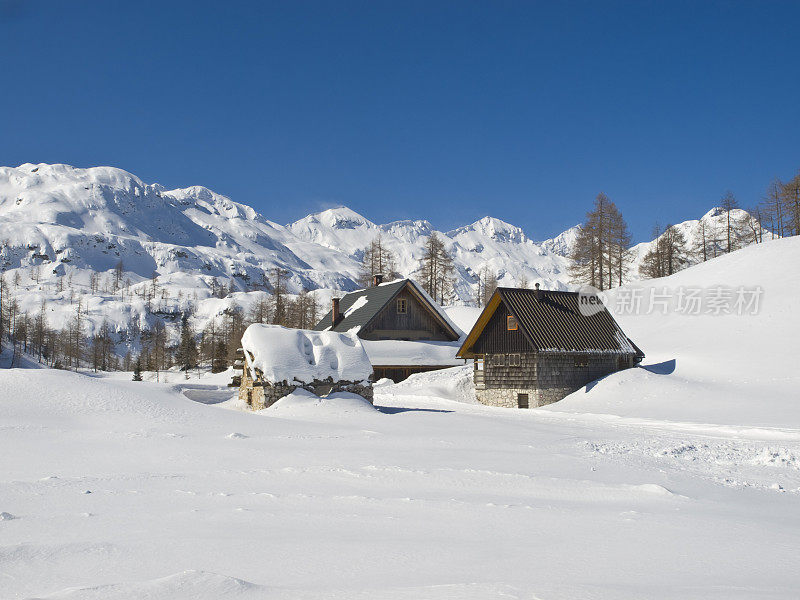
{"points": [[534, 347]]}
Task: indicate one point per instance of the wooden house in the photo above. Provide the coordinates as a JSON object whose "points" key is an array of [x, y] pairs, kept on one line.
{"points": [[534, 347], [403, 330]]}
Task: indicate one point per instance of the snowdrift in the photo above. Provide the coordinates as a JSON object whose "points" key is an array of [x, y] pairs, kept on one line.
{"points": [[453, 384], [303, 403]]}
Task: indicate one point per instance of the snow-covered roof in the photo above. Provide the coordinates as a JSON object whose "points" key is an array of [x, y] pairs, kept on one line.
{"points": [[360, 307], [421, 353], [283, 354]]}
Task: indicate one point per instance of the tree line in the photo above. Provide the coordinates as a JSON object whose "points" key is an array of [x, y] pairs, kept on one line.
{"points": [[73, 346]]}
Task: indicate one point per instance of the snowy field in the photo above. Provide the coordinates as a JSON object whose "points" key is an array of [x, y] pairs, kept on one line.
{"points": [[680, 479]]}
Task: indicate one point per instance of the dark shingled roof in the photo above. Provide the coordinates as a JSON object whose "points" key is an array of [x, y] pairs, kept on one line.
{"points": [[376, 298], [552, 322]]}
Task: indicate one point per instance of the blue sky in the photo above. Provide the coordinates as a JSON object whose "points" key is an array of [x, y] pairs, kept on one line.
{"points": [[437, 110]]}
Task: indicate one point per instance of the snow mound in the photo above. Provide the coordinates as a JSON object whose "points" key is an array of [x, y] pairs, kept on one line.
{"points": [[302, 402], [448, 384], [188, 585], [284, 354], [412, 352]]}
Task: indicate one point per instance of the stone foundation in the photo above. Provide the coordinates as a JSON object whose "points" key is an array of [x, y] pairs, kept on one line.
{"points": [[260, 395], [544, 378], [509, 397]]}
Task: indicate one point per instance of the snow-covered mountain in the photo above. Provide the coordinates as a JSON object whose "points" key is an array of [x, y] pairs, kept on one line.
{"points": [[63, 224], [67, 218], [59, 223], [488, 242], [562, 244], [713, 223], [57, 215]]}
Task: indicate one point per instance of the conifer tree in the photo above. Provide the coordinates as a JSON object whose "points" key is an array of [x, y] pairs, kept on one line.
{"points": [[137, 369], [186, 355], [729, 204], [774, 208], [377, 260], [437, 270], [667, 256], [487, 284], [600, 255], [790, 194], [278, 281]]}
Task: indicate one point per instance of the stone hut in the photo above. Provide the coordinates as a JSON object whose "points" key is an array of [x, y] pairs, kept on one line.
{"points": [[277, 360], [534, 347]]}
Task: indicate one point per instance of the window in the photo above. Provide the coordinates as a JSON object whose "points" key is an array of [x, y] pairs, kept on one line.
{"points": [[581, 361], [513, 360], [522, 400], [402, 308], [511, 323], [499, 360], [479, 364]]}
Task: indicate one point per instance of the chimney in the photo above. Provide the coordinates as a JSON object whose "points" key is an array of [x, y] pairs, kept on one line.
{"points": [[537, 292], [336, 316], [377, 279]]}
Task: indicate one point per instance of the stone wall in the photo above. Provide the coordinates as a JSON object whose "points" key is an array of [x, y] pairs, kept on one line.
{"points": [[545, 378], [258, 394]]}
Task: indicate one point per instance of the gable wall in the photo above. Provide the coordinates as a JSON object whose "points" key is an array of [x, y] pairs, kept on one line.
{"points": [[495, 337], [416, 324]]}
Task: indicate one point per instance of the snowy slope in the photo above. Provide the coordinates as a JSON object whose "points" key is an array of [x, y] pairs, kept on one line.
{"points": [[727, 368], [714, 220], [116, 489]]}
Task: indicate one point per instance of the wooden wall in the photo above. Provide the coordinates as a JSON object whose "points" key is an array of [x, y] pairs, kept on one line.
{"points": [[496, 338], [416, 324], [546, 371]]}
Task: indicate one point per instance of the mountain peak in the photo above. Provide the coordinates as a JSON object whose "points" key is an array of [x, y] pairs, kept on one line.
{"points": [[563, 242], [493, 228], [340, 217]]}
